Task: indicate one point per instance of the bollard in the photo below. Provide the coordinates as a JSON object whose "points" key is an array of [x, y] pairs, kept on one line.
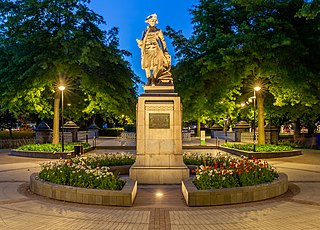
{"points": [[202, 137], [78, 150]]}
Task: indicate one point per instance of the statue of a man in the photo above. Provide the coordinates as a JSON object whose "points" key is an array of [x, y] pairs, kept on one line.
{"points": [[155, 59]]}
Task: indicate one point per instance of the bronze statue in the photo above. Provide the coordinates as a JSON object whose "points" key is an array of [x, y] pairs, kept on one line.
{"points": [[155, 59]]}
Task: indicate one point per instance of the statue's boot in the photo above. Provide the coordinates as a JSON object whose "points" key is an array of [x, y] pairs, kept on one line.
{"points": [[153, 81]]}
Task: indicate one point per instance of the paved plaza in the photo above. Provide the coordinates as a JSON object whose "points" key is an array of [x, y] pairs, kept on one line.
{"points": [[299, 208]]}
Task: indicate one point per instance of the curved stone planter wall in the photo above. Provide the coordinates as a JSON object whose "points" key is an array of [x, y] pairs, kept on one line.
{"points": [[259, 155], [37, 154], [121, 169], [195, 197], [124, 197]]}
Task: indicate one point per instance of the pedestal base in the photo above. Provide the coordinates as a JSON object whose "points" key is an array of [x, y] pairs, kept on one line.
{"points": [[159, 175]]}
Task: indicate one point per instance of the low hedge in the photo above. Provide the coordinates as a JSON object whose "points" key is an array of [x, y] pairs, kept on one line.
{"points": [[52, 147], [259, 147], [111, 132], [5, 135]]}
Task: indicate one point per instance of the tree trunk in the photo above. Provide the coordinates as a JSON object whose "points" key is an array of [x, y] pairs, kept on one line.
{"points": [[311, 128], [198, 127], [10, 131], [297, 130], [260, 99], [56, 106]]}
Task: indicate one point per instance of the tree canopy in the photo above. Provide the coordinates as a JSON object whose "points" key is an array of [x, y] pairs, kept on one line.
{"points": [[46, 43], [236, 44]]}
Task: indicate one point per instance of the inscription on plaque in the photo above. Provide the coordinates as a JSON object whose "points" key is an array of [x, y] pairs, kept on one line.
{"points": [[159, 120]]}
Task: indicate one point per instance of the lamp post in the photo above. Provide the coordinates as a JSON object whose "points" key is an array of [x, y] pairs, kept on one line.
{"points": [[225, 130], [62, 88], [257, 88]]}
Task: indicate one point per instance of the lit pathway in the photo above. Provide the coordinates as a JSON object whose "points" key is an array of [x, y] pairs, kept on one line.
{"points": [[297, 209]]}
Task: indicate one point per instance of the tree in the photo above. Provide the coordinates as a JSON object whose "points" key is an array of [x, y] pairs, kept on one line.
{"points": [[239, 43], [47, 43], [7, 121]]}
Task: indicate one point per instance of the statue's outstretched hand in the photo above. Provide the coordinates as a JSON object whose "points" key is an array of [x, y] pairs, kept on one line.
{"points": [[139, 42]]}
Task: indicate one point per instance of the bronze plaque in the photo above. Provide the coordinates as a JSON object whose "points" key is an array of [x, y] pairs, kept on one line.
{"points": [[159, 120]]}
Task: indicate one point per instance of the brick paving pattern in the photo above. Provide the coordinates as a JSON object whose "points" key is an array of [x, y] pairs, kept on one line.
{"points": [[299, 208]]}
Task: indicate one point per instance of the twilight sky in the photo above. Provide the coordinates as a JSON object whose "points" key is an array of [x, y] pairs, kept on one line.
{"points": [[129, 16]]}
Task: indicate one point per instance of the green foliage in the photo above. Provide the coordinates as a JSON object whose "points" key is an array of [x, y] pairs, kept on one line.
{"points": [[130, 128], [197, 158], [51, 147], [67, 172], [228, 172], [236, 44], [108, 159], [259, 148], [110, 132], [310, 9], [4, 135], [47, 43]]}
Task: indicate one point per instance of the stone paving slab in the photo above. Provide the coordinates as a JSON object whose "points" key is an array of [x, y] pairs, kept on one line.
{"points": [[278, 216], [299, 208], [109, 141], [9, 192]]}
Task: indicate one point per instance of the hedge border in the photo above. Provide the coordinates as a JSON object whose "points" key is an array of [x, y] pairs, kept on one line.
{"points": [[260, 155]]}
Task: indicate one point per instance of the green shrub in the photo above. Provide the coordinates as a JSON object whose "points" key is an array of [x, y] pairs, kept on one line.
{"points": [[4, 135], [259, 147], [107, 159], [110, 132], [130, 128], [52, 147]]}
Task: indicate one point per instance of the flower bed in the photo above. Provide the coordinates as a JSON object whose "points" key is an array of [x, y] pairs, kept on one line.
{"points": [[90, 171], [49, 151], [52, 147], [229, 172], [259, 155], [123, 197], [224, 179], [223, 196], [37, 154], [86, 179], [259, 147]]}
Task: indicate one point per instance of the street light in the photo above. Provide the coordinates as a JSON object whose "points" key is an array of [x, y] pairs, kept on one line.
{"points": [[225, 130], [257, 88], [62, 88]]}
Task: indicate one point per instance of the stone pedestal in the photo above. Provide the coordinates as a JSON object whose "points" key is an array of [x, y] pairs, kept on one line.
{"points": [[159, 138], [71, 127], [241, 127], [271, 134], [43, 133]]}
